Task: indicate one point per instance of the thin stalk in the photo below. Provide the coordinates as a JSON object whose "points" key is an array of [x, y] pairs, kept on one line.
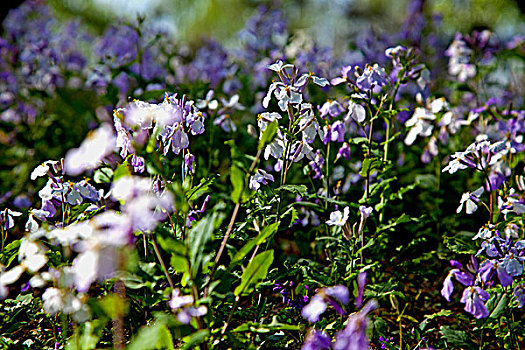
{"points": [[327, 162], [162, 264], [367, 180], [229, 230], [491, 195], [4, 237], [230, 316], [118, 320], [400, 335], [195, 293]]}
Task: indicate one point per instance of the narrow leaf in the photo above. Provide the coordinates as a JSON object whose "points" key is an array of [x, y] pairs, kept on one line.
{"points": [[256, 271]]}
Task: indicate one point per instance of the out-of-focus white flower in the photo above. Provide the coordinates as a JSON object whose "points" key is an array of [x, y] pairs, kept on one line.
{"points": [[98, 145]]}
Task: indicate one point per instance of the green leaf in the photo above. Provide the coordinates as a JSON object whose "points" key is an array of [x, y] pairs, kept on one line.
{"points": [[113, 305], [500, 307], [237, 180], [300, 190], [90, 333], [461, 243], [370, 164], [155, 336], [262, 237], [121, 171], [400, 220], [199, 189], [198, 237], [268, 134], [440, 313], [266, 328], [256, 271], [456, 338], [9, 253], [196, 338], [103, 175]]}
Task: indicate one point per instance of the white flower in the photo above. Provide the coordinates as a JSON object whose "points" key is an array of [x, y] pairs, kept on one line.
{"points": [[337, 218], [89, 155], [356, 112], [53, 302], [43, 169], [470, 200]]}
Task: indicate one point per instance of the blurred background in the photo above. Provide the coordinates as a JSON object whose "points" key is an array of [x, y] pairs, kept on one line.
{"points": [[189, 21]]}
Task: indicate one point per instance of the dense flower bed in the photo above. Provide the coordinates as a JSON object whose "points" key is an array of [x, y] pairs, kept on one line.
{"points": [[272, 196]]}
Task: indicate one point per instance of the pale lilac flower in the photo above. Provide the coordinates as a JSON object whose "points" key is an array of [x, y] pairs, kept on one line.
{"points": [[314, 309], [184, 305], [459, 64], [344, 78], [267, 117], [330, 108], [6, 218], [365, 211], [225, 122], [279, 66], [419, 124], [208, 102], [372, 78], [318, 304], [490, 267], [355, 112], [260, 177]]}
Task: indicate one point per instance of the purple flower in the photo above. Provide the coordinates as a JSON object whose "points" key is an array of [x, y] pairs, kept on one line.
{"points": [[344, 151], [361, 283], [338, 131], [465, 278], [189, 163], [373, 77], [333, 295], [345, 76], [489, 267], [353, 336], [138, 164], [519, 293], [339, 293], [473, 298], [331, 109], [316, 340]]}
